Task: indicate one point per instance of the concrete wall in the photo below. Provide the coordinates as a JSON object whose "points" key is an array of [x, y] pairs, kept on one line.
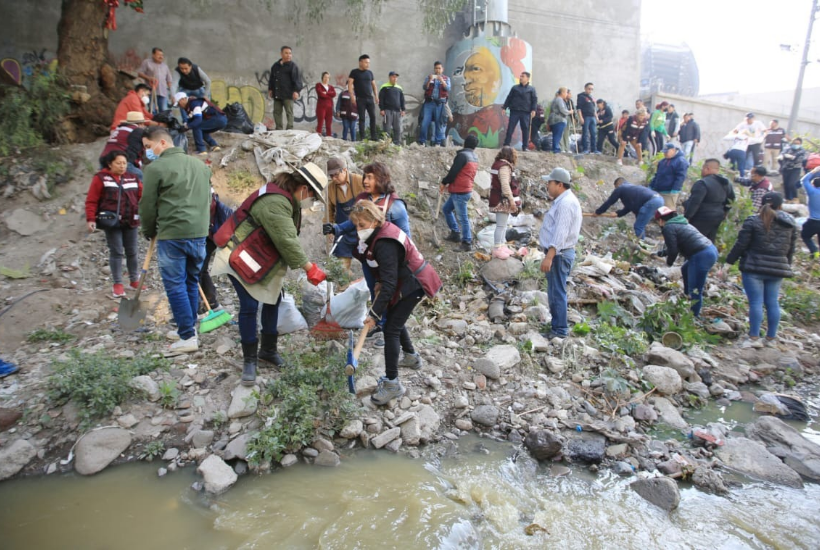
{"points": [[236, 42], [774, 101], [718, 119]]}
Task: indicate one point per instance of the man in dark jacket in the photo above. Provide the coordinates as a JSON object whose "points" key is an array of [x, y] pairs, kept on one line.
{"points": [[668, 180], [459, 183], [672, 122], [689, 136], [606, 126], [391, 102], [640, 200], [522, 101], [709, 200], [284, 85], [586, 105], [681, 238]]}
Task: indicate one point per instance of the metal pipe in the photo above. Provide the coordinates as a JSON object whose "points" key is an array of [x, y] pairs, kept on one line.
{"points": [[798, 91]]}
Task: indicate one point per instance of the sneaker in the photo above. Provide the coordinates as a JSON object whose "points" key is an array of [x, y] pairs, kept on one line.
{"points": [[750, 342], [376, 337], [135, 285], [119, 291], [7, 368], [202, 154], [502, 252], [466, 247], [387, 390], [184, 346], [770, 342], [172, 335], [454, 237], [216, 148], [411, 361], [619, 162]]}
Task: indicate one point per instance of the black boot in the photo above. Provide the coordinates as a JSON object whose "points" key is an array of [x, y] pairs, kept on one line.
{"points": [[249, 357], [454, 236], [267, 350]]}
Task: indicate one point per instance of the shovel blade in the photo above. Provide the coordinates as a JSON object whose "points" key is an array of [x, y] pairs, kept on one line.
{"points": [[131, 316]]}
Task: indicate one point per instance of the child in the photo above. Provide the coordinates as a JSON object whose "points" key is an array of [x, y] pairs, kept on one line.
{"points": [[622, 121], [348, 114]]}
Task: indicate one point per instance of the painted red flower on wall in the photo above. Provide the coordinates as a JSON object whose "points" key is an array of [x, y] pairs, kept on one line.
{"points": [[513, 54]]}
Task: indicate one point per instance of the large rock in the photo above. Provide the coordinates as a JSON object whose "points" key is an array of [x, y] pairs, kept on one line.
{"points": [[800, 454], [99, 448], [666, 380], [668, 357], [352, 429], [237, 448], [752, 459], [502, 270], [644, 413], [385, 437], [146, 385], [202, 438], [243, 402], [26, 222], [217, 475], [411, 431], [329, 459], [485, 415], [669, 414], [14, 457], [543, 444], [488, 368], [499, 358], [586, 447], [429, 422], [661, 491]]}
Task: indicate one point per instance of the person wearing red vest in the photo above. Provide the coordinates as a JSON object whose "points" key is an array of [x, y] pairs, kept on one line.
{"points": [[114, 190], [503, 198], [403, 278], [257, 245], [127, 137], [459, 183], [436, 92]]}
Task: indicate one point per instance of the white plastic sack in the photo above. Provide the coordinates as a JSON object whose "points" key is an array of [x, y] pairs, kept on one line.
{"points": [[290, 319], [486, 237], [349, 309], [314, 299]]}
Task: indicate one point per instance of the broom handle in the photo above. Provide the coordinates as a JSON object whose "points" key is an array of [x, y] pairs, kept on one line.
{"points": [[204, 299]]}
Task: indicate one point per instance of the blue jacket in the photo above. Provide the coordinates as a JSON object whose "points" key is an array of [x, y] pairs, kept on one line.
{"points": [[813, 194], [670, 175], [633, 197]]}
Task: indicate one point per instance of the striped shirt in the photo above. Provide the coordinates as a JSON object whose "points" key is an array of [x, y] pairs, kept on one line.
{"points": [[562, 223]]}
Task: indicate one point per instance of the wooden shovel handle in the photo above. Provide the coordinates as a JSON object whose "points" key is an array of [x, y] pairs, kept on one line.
{"points": [[359, 344], [145, 265]]}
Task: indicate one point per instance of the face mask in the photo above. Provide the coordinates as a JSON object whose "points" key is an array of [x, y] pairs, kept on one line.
{"points": [[145, 100], [151, 155], [795, 146], [364, 234]]}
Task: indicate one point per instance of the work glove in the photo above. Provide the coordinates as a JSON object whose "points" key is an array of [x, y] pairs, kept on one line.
{"points": [[315, 275], [329, 229]]}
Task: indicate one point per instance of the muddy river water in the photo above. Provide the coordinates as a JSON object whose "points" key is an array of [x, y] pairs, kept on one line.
{"points": [[481, 494]]}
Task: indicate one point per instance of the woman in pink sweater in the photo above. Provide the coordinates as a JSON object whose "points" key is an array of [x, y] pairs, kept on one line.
{"points": [[324, 106]]}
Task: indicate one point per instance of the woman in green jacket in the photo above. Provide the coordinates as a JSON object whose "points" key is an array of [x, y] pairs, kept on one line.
{"points": [[257, 246], [657, 125]]}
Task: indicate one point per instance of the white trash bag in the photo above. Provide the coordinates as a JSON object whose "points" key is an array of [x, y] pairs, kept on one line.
{"points": [[290, 319], [349, 309]]}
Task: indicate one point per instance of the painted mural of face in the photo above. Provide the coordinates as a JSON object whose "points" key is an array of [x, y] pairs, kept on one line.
{"points": [[482, 78]]}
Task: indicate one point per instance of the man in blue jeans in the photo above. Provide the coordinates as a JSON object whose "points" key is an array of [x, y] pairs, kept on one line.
{"points": [[175, 210], [204, 118], [459, 183], [436, 91], [586, 105], [640, 200], [557, 238]]}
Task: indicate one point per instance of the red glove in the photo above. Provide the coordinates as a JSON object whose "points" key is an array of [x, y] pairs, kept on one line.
{"points": [[315, 275]]}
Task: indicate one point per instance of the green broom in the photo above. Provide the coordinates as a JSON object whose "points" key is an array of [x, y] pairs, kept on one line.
{"points": [[214, 319]]}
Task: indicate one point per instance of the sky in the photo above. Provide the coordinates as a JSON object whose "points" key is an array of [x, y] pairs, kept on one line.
{"points": [[736, 43]]}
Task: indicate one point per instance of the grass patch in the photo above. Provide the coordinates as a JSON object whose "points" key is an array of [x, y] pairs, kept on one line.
{"points": [[153, 450], [168, 395], [532, 270], [466, 273], [24, 273], [97, 383], [45, 335], [242, 180], [366, 151], [801, 303], [308, 399]]}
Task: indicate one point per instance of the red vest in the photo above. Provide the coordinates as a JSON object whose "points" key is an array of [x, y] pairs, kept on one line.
{"points": [[414, 262], [391, 198], [255, 256], [442, 93], [118, 141], [129, 201], [495, 186]]}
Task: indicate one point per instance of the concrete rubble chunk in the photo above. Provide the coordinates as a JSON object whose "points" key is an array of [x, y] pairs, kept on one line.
{"points": [[754, 460], [146, 385], [666, 380], [385, 437], [217, 475], [99, 448], [243, 402], [14, 457]]}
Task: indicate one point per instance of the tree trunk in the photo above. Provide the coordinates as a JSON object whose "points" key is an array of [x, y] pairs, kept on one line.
{"points": [[82, 53]]}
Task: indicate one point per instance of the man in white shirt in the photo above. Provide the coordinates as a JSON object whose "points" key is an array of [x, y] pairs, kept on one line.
{"points": [[557, 237], [155, 72], [755, 131]]}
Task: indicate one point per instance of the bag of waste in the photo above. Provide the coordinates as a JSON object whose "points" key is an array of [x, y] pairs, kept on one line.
{"points": [[238, 120], [290, 319], [349, 309]]}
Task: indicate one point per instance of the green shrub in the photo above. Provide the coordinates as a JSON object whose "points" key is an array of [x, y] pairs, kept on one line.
{"points": [[800, 302], [46, 335], [675, 316], [33, 113], [97, 383], [309, 398], [622, 340]]}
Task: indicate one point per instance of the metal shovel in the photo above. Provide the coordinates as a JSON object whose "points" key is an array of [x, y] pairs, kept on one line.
{"points": [[131, 315]]}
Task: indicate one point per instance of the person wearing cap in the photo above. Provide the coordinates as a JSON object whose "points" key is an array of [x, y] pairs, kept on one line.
{"points": [[765, 247], [204, 118], [670, 175], [127, 137], [811, 227], [341, 197], [557, 237], [175, 210], [753, 131], [710, 200], [700, 254], [639, 200], [257, 247], [689, 136], [324, 105], [391, 103], [135, 100], [758, 184]]}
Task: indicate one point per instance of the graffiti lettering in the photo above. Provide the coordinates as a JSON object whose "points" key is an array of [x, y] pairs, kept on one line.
{"points": [[263, 79], [12, 68], [29, 63], [251, 98]]}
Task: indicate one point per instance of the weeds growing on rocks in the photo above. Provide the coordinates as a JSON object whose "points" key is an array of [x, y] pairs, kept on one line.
{"points": [[46, 335], [152, 451], [97, 383]]}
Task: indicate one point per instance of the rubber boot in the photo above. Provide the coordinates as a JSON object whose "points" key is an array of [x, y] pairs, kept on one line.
{"points": [[249, 358], [267, 350]]}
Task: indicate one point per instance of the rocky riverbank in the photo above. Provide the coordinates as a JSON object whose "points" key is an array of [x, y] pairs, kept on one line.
{"points": [[610, 396]]}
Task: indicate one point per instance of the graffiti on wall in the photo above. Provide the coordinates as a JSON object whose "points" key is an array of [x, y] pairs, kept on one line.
{"points": [[251, 98], [28, 62], [129, 61], [484, 69]]}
